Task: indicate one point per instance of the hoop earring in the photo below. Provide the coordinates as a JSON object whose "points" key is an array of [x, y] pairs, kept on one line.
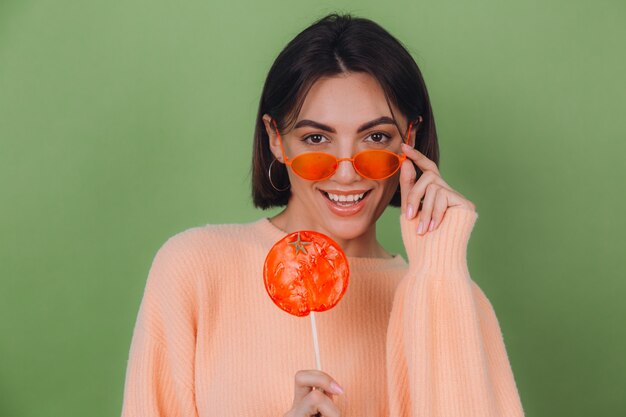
{"points": [[269, 174]]}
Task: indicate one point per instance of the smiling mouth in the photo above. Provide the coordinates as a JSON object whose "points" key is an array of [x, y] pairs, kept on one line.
{"points": [[343, 200]]}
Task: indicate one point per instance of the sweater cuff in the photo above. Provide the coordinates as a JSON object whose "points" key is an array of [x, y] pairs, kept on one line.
{"points": [[444, 250]]}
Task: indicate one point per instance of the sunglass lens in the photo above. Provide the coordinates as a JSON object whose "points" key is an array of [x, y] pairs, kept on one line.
{"points": [[314, 165], [376, 164]]}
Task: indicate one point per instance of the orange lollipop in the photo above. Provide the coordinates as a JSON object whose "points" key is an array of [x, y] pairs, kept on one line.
{"points": [[306, 271]]}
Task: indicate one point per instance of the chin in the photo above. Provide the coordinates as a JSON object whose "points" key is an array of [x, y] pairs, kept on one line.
{"points": [[348, 229]]}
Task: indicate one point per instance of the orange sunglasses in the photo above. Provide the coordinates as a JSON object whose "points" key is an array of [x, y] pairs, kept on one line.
{"points": [[374, 164]]}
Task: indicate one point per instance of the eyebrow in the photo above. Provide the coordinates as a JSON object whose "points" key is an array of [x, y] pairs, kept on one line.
{"points": [[384, 120]]}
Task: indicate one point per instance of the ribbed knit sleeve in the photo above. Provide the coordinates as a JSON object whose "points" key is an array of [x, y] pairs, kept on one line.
{"points": [[160, 371], [445, 352]]}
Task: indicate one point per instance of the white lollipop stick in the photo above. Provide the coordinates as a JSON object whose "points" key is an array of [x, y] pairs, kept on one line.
{"points": [[315, 344], [317, 351]]}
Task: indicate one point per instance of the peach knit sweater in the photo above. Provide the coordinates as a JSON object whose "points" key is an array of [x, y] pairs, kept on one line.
{"points": [[417, 339]]}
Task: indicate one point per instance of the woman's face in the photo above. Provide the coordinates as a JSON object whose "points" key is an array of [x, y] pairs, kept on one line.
{"points": [[331, 120]]}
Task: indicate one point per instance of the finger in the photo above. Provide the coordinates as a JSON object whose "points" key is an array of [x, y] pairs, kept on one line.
{"points": [[426, 213], [441, 205], [421, 160], [305, 380], [316, 402], [418, 192], [408, 176]]}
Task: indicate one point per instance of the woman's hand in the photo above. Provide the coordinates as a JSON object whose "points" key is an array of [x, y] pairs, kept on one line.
{"points": [[436, 193], [314, 402]]}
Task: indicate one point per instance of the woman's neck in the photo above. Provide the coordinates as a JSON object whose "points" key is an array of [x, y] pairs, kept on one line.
{"points": [[363, 246]]}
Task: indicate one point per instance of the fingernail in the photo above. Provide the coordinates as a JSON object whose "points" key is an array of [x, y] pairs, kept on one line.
{"points": [[336, 388], [432, 225], [420, 227], [410, 211]]}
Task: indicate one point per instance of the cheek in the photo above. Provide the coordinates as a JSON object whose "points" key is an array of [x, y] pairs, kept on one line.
{"points": [[389, 188], [391, 185], [299, 185]]}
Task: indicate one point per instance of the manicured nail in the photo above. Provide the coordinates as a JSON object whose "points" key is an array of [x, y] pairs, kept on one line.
{"points": [[432, 225], [336, 388], [410, 211], [420, 227]]}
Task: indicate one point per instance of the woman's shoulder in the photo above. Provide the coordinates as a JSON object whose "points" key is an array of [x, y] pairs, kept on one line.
{"points": [[196, 252], [211, 239]]}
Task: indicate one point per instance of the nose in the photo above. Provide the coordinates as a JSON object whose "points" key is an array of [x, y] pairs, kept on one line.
{"points": [[345, 173]]}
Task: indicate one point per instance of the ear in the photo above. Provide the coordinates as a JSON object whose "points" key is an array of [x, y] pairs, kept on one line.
{"points": [[271, 133], [416, 126]]}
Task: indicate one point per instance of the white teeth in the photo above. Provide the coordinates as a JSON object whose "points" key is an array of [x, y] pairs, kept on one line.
{"points": [[345, 198]]}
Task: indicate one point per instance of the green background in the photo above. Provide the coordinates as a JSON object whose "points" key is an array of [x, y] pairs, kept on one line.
{"points": [[125, 122]]}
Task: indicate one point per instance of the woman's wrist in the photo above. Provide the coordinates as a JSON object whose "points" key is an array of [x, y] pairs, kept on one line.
{"points": [[442, 251]]}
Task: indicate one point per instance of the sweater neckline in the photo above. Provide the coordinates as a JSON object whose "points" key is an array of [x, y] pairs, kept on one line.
{"points": [[275, 233]]}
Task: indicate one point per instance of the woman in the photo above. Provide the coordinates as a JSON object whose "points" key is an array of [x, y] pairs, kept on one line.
{"points": [[416, 339]]}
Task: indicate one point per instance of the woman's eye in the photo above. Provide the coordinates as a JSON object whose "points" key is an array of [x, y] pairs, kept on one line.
{"points": [[314, 139], [379, 137]]}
